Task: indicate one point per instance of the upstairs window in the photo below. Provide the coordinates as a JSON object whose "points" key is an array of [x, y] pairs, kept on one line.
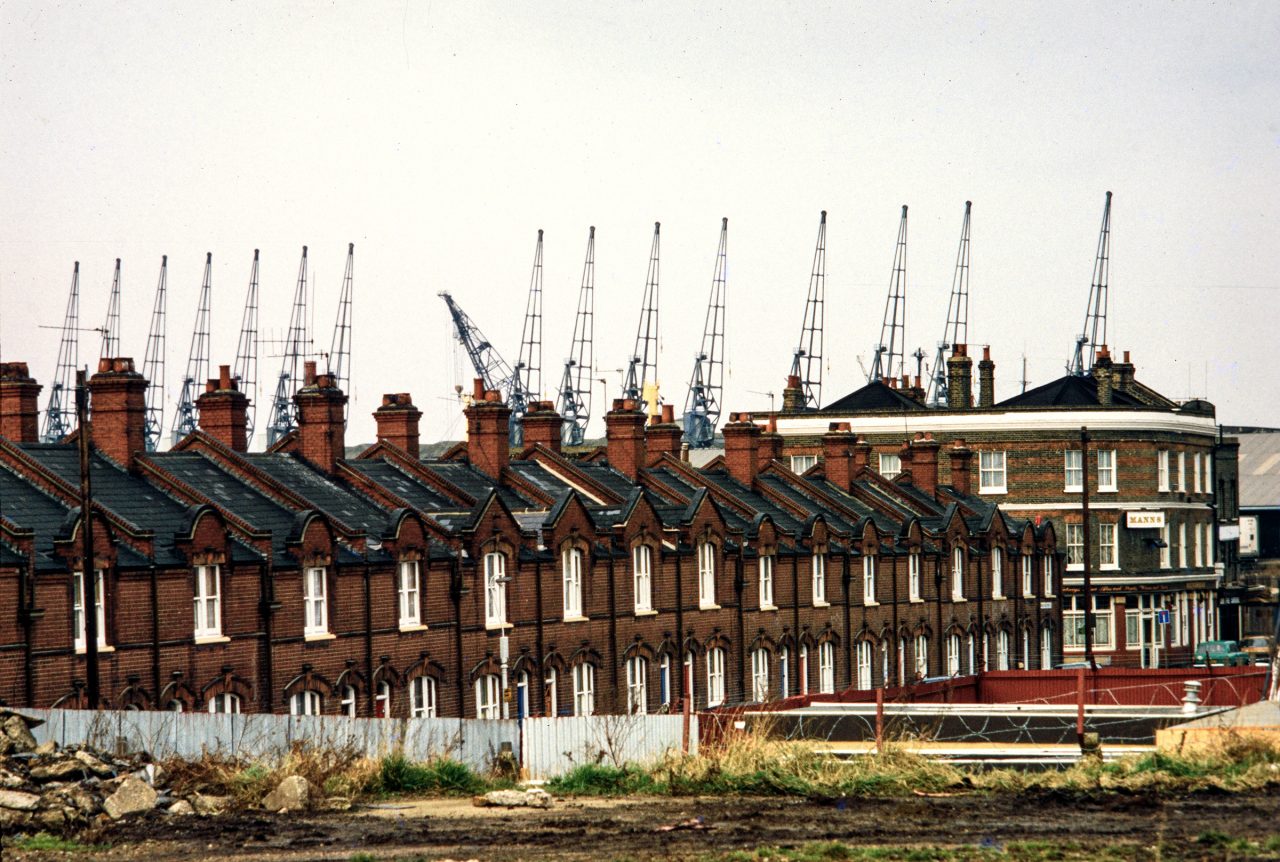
{"points": [[1106, 469], [495, 589], [1108, 551], [997, 573], [766, 580], [1166, 546], [801, 463], [1162, 470], [571, 568], [1073, 470], [991, 473], [957, 573], [819, 580], [1195, 473], [784, 672], [1182, 545], [315, 605], [100, 617], [913, 576], [1199, 546], [869, 580], [1208, 473], [410, 607], [890, 465], [1075, 546], [706, 575], [208, 602], [1182, 471], [1028, 575], [1047, 565], [642, 565]]}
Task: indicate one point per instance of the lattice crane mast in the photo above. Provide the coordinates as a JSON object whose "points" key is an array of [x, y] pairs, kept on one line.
{"points": [[284, 414], [153, 362], [526, 382], [575, 386], [706, 385], [1094, 334], [642, 369], [186, 418], [59, 417], [246, 367], [340, 346], [807, 363], [111, 329], [957, 329], [888, 359], [485, 359]]}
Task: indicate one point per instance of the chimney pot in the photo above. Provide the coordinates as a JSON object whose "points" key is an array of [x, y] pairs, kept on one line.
{"points": [[477, 389], [224, 377], [543, 425], [321, 421], [309, 372], [397, 421], [625, 438], [668, 413]]}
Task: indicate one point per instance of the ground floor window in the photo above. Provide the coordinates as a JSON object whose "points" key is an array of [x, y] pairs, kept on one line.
{"points": [[922, 656], [1002, 650], [422, 694], [953, 655], [759, 675], [1046, 649], [584, 689], [225, 703], [864, 665], [306, 703], [488, 696], [637, 685], [827, 667], [715, 677], [1073, 622]]}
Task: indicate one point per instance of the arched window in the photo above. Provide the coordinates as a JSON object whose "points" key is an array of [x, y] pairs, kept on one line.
{"points": [[1028, 575], [1026, 649], [827, 666], [864, 664], [784, 672], [422, 697], [715, 676], [922, 656], [642, 563], [884, 663], [410, 606], [706, 575], [971, 647], [637, 685], [804, 668], [953, 655], [584, 689], [349, 701], [495, 589], [488, 696], [1047, 566], [1046, 648], [306, 702], [551, 684], [382, 701], [760, 674], [913, 576], [522, 694], [664, 679], [571, 569], [1002, 650], [228, 704], [902, 661], [957, 573]]}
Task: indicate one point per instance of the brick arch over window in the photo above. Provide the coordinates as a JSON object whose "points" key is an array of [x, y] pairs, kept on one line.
{"points": [[807, 639], [178, 690], [386, 672], [427, 666], [923, 628], [525, 662], [692, 645], [638, 647], [487, 666], [553, 660], [77, 698], [228, 683], [830, 636], [719, 640], [585, 654], [764, 642], [134, 696], [787, 641], [351, 676], [307, 680]]}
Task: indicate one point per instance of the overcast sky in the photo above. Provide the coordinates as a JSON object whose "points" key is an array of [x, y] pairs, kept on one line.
{"points": [[439, 137]]}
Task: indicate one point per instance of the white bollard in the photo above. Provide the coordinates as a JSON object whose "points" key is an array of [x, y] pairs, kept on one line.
{"points": [[1191, 697]]}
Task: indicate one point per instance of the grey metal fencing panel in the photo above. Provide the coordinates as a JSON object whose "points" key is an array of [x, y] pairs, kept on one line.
{"points": [[553, 746]]}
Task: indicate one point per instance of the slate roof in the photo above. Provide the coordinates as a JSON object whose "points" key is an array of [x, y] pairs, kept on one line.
{"points": [[1069, 391], [872, 397], [404, 485], [323, 492], [475, 483]]}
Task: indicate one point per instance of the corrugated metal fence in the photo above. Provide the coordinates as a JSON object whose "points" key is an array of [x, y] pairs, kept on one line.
{"points": [[546, 746]]}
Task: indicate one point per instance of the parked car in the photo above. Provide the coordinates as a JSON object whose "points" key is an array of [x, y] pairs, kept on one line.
{"points": [[1258, 648], [1225, 653]]}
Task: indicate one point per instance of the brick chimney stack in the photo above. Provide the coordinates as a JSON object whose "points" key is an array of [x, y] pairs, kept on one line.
{"points": [[224, 411], [861, 455], [986, 379], [792, 395], [19, 403], [542, 424], [321, 419], [924, 462], [488, 431], [959, 378], [664, 435], [1122, 373], [837, 455], [741, 437], [961, 461], [624, 437], [770, 446], [1102, 372], [397, 421], [118, 405]]}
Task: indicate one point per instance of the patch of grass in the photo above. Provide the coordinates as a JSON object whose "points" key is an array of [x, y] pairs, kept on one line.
{"points": [[363, 857], [337, 772], [397, 774], [45, 841], [594, 780]]}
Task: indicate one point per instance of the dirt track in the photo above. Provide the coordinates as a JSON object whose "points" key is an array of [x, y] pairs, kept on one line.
{"points": [[598, 829]]}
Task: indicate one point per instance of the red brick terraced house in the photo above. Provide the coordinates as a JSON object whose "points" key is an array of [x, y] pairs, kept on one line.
{"points": [[493, 582]]}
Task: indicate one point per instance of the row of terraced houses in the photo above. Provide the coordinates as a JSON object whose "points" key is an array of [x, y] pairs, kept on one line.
{"points": [[491, 581]]}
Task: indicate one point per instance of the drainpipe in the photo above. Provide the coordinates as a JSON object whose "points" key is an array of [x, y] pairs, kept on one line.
{"points": [[155, 632], [1088, 567], [895, 634], [937, 633], [542, 653], [88, 567], [27, 602], [739, 586], [795, 611], [846, 582], [455, 594], [679, 619], [266, 606], [368, 635], [613, 631]]}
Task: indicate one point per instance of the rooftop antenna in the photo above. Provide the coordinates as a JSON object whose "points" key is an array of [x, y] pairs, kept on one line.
{"points": [[60, 413], [807, 364], [526, 383], [246, 368], [340, 346], [957, 329], [284, 417], [153, 362], [1094, 334], [575, 386], [887, 361], [1023, 381], [642, 369], [185, 418], [111, 330], [706, 385]]}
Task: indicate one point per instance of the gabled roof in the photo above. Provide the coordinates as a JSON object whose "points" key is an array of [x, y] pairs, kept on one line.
{"points": [[874, 396], [1069, 391]]}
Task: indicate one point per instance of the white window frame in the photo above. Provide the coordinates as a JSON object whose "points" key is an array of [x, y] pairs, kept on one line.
{"points": [[1028, 576], [1075, 546], [913, 576], [637, 685], [347, 706], [207, 602], [706, 575], [1182, 472], [864, 665], [801, 463], [1072, 470], [225, 704], [869, 566], [1073, 622], [1182, 545], [802, 668], [382, 700], [997, 572], [890, 464], [764, 566], [1166, 552], [495, 589], [971, 650], [1208, 472], [1108, 547], [1162, 470], [715, 676], [77, 611], [1198, 550], [957, 573], [551, 692], [1002, 650], [1196, 485], [665, 681], [571, 573], [902, 661], [642, 577], [306, 702], [1046, 570], [1107, 480], [953, 654], [884, 663], [422, 697], [409, 593], [488, 696], [1046, 649], [784, 671], [1209, 545], [827, 666], [819, 570], [315, 599], [759, 675], [993, 472], [584, 689], [921, 656]]}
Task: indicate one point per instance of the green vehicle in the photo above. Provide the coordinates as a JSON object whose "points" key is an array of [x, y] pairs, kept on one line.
{"points": [[1225, 653]]}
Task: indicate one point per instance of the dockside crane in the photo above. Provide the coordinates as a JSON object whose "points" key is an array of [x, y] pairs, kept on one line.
{"points": [[1094, 334], [888, 359], [807, 363], [956, 330], [246, 367], [575, 386], [641, 382], [284, 415], [153, 362], [59, 416], [706, 385], [526, 382], [340, 346], [111, 329], [186, 418]]}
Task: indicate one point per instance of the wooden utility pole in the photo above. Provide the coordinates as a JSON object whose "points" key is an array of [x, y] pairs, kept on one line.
{"points": [[1088, 566]]}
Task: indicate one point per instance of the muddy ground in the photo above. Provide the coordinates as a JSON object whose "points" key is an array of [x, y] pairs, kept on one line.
{"points": [[604, 829]]}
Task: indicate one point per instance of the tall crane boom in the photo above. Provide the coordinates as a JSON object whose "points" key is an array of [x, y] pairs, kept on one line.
{"points": [[706, 385], [246, 368], [186, 417], [807, 364], [956, 330], [575, 386], [153, 362], [485, 359], [1094, 334], [526, 382], [340, 346], [642, 369], [111, 329], [60, 413], [888, 360], [284, 416]]}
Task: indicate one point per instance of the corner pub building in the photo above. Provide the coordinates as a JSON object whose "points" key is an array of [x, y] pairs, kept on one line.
{"points": [[622, 579]]}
